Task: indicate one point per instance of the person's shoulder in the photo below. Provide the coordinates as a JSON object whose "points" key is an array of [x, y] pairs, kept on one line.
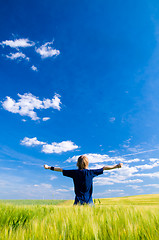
{"points": [[69, 169], [96, 170]]}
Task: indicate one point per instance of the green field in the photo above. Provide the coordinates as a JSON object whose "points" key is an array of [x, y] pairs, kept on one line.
{"points": [[135, 217]]}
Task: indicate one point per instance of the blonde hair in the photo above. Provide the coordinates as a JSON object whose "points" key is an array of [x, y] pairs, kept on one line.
{"points": [[82, 162]]}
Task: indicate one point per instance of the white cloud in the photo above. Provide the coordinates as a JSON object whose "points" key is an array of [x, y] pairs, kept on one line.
{"points": [[19, 189], [136, 187], [47, 51], [34, 68], [27, 103], [122, 176], [62, 190], [127, 142], [59, 147], [97, 158], [54, 147], [22, 42], [132, 160], [148, 166], [152, 185], [18, 55], [154, 159], [114, 190], [125, 146], [53, 177], [8, 169], [110, 181], [112, 119], [151, 175], [43, 185], [123, 173], [96, 166], [45, 119], [52, 103], [136, 152], [31, 142]]}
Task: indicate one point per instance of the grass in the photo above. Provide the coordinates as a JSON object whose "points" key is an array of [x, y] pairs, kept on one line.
{"points": [[123, 218], [34, 202]]}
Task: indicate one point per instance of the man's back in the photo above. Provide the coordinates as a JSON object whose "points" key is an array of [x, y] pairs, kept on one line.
{"points": [[83, 183]]}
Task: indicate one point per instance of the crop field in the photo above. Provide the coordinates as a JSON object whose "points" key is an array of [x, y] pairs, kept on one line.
{"points": [[124, 218]]}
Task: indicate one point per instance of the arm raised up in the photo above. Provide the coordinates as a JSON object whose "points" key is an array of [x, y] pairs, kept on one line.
{"points": [[57, 169], [113, 167]]}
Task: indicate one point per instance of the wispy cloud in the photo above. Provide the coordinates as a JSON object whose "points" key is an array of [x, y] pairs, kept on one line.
{"points": [[34, 68], [45, 119], [18, 188], [126, 143], [46, 50], [54, 147], [154, 159], [125, 175], [132, 160], [151, 175], [62, 190], [31, 142], [7, 169], [43, 185], [115, 190], [135, 187], [17, 55], [112, 119], [148, 166], [21, 42], [27, 103], [140, 152], [96, 166], [11, 155], [109, 181], [53, 177], [152, 185], [97, 158]]}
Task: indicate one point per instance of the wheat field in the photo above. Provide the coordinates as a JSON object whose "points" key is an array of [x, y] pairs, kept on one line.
{"points": [[123, 218]]}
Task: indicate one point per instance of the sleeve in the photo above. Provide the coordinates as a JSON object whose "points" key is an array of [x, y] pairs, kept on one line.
{"points": [[69, 173], [96, 172]]}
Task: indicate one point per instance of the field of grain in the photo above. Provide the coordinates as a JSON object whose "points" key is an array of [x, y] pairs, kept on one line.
{"points": [[123, 218]]}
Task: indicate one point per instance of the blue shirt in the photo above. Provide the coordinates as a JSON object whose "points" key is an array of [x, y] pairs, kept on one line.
{"points": [[83, 183]]}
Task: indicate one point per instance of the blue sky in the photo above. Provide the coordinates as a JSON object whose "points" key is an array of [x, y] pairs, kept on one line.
{"points": [[78, 77]]}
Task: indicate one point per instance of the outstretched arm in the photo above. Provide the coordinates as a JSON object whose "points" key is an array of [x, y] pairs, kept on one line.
{"points": [[57, 169], [113, 167]]}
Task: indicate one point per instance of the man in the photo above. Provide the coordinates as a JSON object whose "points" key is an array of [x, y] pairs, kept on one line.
{"points": [[82, 178]]}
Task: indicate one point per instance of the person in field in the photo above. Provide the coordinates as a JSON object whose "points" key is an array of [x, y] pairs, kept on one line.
{"points": [[82, 178]]}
